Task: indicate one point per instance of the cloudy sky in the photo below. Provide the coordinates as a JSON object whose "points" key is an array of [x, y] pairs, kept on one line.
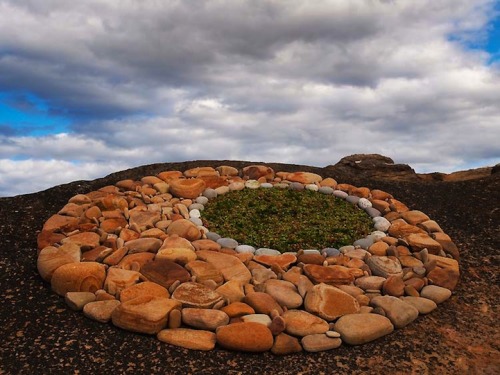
{"points": [[92, 87]]}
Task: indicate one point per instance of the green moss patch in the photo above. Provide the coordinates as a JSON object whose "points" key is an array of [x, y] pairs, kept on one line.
{"points": [[286, 220]]}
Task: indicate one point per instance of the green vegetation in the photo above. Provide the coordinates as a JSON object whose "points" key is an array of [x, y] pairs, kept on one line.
{"points": [[286, 220]]}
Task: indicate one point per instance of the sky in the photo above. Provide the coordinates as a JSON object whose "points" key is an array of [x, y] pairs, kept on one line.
{"points": [[93, 87]]}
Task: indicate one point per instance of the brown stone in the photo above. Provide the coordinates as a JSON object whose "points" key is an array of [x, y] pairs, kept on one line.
{"points": [[60, 222], [86, 240], [398, 206], [401, 229], [262, 303], [78, 277], [196, 295], [285, 344], [165, 272], [382, 206], [187, 188], [330, 302], [214, 182], [246, 337], [141, 245], [205, 244], [97, 254], [184, 228], [167, 176], [232, 291], [311, 259], [320, 342], [225, 170], [254, 172], [144, 314], [51, 258], [238, 309], [207, 319], [204, 271], [330, 182], [144, 219], [129, 234], [179, 255], [444, 277], [284, 260], [362, 192], [304, 177], [136, 261], [414, 217], [48, 238], [113, 225], [378, 248], [394, 286], [230, 266], [328, 274], [420, 241], [380, 195], [146, 288], [356, 329], [100, 310], [416, 283], [301, 323], [193, 339], [200, 171], [284, 292]]}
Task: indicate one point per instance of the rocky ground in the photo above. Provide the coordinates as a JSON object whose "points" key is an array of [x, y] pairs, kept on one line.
{"points": [[41, 335]]}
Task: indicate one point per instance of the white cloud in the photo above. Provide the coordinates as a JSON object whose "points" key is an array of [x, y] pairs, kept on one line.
{"points": [[297, 81]]}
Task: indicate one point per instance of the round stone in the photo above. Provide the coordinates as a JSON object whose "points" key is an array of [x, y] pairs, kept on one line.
{"points": [[227, 242]]}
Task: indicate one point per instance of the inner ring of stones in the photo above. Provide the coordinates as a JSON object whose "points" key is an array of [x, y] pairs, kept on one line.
{"points": [[135, 253]]}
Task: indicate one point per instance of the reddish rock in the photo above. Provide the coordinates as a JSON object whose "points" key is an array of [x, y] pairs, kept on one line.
{"points": [[304, 177], [78, 277], [144, 219], [187, 188], [51, 258], [141, 245], [238, 309], [165, 272], [246, 337], [167, 176], [285, 344], [262, 303], [205, 244], [401, 229], [444, 277], [48, 238], [311, 259], [328, 274], [146, 288], [284, 260], [60, 222], [184, 228], [394, 286], [254, 172], [230, 266], [420, 241], [205, 271], [196, 295], [86, 240], [193, 339], [330, 302], [135, 261], [301, 323]]}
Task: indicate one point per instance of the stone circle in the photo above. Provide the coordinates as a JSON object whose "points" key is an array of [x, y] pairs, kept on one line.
{"points": [[137, 254]]}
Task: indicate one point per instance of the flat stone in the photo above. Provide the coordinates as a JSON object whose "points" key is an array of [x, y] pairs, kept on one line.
{"points": [[228, 243], [204, 271], [328, 274], [140, 245], [77, 300], [357, 329], [257, 318], [319, 342], [304, 177], [414, 217], [207, 319], [262, 303], [245, 249], [400, 313], [78, 277], [206, 244], [266, 251], [193, 339], [444, 277], [51, 258], [144, 314], [435, 293], [196, 295], [165, 272], [85, 240], [285, 344], [118, 279], [178, 255], [420, 241], [232, 291], [100, 310], [238, 309], [423, 305], [135, 261], [146, 288], [245, 337], [283, 260], [229, 266], [301, 323], [284, 292], [184, 228], [330, 302], [144, 219], [186, 188]]}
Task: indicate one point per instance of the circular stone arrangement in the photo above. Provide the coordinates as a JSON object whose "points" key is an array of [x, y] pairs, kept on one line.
{"points": [[137, 254]]}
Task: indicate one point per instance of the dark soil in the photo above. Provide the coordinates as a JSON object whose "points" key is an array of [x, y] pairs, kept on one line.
{"points": [[40, 335]]}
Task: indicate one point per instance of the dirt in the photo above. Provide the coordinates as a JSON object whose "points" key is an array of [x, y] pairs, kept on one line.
{"points": [[41, 335]]}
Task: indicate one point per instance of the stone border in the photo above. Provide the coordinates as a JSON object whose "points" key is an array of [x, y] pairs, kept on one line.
{"points": [[136, 253]]}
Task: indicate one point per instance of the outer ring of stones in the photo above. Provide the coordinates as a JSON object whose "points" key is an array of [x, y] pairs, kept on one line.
{"points": [[136, 254]]}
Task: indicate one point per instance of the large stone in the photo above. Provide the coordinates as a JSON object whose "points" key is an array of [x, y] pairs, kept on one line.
{"points": [[284, 260], [245, 336], [207, 319], [304, 177], [146, 288], [328, 274], [319, 342], [444, 277], [301, 323], [420, 241], [142, 245], [193, 339], [262, 303], [400, 313], [196, 295], [356, 329], [51, 258], [232, 291], [78, 277], [230, 266], [85, 240], [284, 292], [186, 188], [60, 222], [179, 255], [254, 172], [100, 310], [118, 279], [401, 229], [436, 293], [165, 272], [238, 309], [414, 217], [144, 219], [423, 305], [135, 261], [330, 302], [144, 314], [184, 228], [200, 171], [285, 344], [204, 272]]}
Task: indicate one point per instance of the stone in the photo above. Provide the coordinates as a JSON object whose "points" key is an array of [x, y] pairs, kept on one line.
{"points": [[328, 274], [78, 277], [85, 240], [100, 310], [143, 219], [423, 305], [245, 249], [302, 323], [330, 302], [357, 329], [400, 313], [141, 245], [284, 261], [444, 277], [164, 272], [204, 271], [144, 314], [206, 319], [285, 344], [430, 226], [146, 288], [187, 188], [77, 300], [196, 295], [257, 318], [420, 241], [185, 229], [261, 275], [167, 176], [326, 190], [174, 319], [319, 342], [284, 292], [225, 170], [254, 172], [135, 261], [245, 336], [229, 266], [297, 186], [435, 293], [200, 171], [401, 229], [262, 303], [60, 222], [394, 286], [228, 243], [193, 339], [414, 217], [118, 279], [51, 258], [237, 309], [178, 255], [206, 244], [384, 266], [311, 258], [304, 177], [231, 291]]}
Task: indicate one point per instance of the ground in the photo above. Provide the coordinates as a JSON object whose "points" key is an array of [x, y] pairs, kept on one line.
{"points": [[41, 335]]}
